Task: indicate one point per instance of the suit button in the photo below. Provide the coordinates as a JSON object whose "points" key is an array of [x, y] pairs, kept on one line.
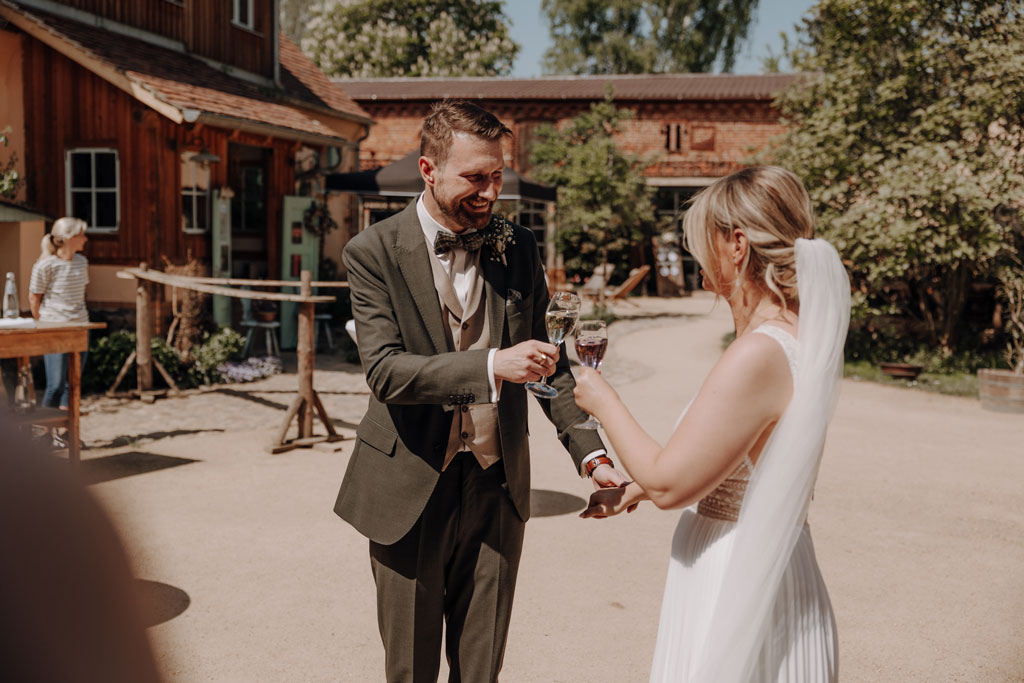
{"points": [[472, 398], [465, 435], [465, 409], [465, 326]]}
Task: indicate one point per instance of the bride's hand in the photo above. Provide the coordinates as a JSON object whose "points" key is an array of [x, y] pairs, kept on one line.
{"points": [[609, 502], [592, 391]]}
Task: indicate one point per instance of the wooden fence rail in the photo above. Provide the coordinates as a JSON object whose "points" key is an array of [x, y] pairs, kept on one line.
{"points": [[306, 403]]}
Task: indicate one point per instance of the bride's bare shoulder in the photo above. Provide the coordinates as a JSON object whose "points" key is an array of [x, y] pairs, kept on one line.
{"points": [[754, 360]]}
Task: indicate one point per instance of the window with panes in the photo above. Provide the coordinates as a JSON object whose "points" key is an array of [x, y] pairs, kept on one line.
{"points": [[92, 177], [195, 195]]}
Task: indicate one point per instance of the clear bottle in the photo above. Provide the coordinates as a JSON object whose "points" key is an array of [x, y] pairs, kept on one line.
{"points": [[11, 308], [23, 390]]}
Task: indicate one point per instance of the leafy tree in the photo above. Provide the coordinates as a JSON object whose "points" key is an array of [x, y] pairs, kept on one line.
{"points": [[294, 15], [644, 36], [604, 205], [908, 134], [380, 38]]}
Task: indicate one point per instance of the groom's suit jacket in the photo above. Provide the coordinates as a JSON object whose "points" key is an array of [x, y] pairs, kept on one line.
{"points": [[416, 380]]}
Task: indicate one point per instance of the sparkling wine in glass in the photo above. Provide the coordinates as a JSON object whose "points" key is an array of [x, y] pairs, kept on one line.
{"points": [[591, 343], [560, 319]]}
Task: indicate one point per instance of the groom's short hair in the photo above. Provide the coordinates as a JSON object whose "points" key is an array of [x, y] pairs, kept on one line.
{"points": [[450, 116]]}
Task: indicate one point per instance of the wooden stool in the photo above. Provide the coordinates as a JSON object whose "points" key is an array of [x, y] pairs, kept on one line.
{"points": [[326, 317], [270, 337]]}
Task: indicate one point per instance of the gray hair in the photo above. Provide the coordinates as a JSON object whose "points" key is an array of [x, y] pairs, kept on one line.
{"points": [[63, 229]]}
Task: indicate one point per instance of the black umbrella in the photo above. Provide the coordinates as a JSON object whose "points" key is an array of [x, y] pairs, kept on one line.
{"points": [[402, 179]]}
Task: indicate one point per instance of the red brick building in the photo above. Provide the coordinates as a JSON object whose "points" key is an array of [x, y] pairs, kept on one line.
{"points": [[697, 127]]}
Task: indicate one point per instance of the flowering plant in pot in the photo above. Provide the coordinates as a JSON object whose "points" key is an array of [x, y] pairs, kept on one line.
{"points": [[999, 389], [265, 311]]}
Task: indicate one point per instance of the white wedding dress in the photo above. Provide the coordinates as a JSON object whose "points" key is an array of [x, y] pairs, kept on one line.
{"points": [[799, 644], [744, 599]]}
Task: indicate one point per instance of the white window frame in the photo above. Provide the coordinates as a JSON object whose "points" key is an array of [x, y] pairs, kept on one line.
{"points": [[191, 191], [68, 189], [236, 19]]}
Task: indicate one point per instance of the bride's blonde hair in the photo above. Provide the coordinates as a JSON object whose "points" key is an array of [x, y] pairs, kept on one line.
{"points": [[772, 208]]}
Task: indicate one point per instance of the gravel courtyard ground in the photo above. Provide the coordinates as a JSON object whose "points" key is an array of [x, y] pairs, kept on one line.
{"points": [[918, 520]]}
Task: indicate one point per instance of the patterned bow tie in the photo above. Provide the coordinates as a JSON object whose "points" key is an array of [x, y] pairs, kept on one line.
{"points": [[446, 241]]}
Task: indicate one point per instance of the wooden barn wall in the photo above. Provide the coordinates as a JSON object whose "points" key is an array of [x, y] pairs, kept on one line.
{"points": [[204, 26], [156, 16], [209, 32], [71, 107]]}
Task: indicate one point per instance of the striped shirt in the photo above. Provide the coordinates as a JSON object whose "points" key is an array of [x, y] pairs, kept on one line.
{"points": [[62, 284]]}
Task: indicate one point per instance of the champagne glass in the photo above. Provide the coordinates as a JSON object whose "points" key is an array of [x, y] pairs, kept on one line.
{"points": [[560, 319], [591, 343]]}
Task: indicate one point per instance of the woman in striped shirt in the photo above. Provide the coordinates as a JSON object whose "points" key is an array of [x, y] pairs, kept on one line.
{"points": [[57, 294]]}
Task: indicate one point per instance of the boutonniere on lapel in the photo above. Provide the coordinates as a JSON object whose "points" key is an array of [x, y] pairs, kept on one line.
{"points": [[499, 235]]}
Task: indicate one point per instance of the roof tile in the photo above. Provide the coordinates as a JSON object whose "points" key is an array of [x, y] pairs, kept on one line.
{"points": [[191, 83], [632, 87]]}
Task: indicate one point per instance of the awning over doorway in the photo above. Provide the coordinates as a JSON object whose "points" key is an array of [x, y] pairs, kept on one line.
{"points": [[402, 179], [13, 213]]}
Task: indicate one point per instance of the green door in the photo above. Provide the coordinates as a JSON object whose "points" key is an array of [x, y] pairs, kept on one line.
{"points": [[299, 251], [221, 242]]}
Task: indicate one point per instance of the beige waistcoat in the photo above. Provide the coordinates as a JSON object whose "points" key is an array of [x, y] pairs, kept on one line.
{"points": [[474, 427]]}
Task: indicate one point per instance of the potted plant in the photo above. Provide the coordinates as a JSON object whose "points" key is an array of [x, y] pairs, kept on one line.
{"points": [[265, 311], [1003, 390]]}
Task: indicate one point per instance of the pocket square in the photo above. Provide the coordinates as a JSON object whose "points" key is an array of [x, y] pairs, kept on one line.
{"points": [[513, 297]]}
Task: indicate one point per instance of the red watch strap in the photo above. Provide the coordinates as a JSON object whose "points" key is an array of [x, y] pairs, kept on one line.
{"points": [[593, 464]]}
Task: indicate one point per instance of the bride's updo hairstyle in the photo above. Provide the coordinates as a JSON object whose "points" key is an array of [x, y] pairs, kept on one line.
{"points": [[772, 208]]}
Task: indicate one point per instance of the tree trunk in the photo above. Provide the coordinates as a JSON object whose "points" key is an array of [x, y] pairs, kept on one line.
{"points": [[955, 283]]}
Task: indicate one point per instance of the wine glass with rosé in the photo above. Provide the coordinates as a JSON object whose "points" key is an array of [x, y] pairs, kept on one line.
{"points": [[560, 319], [591, 344]]}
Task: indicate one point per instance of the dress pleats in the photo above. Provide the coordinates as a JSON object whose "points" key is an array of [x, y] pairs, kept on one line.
{"points": [[800, 645]]}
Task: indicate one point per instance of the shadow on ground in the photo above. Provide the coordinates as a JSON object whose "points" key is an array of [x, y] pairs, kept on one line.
{"points": [[119, 441], [545, 503], [159, 602], [251, 396], [120, 465]]}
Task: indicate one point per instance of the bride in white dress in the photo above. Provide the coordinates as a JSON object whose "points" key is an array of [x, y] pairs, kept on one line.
{"points": [[744, 598]]}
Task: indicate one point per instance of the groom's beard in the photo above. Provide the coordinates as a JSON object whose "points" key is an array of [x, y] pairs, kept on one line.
{"points": [[455, 210]]}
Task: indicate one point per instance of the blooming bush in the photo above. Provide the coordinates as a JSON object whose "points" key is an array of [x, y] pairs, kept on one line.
{"points": [[249, 369]]}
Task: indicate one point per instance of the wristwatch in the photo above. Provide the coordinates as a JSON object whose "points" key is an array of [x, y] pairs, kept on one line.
{"points": [[593, 463]]}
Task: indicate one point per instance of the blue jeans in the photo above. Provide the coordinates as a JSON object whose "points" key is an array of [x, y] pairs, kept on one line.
{"points": [[56, 365]]}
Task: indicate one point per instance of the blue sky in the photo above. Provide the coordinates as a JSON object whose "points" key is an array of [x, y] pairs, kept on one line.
{"points": [[530, 30]]}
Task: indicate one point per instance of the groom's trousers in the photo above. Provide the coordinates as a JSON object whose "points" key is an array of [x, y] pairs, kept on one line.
{"points": [[457, 564]]}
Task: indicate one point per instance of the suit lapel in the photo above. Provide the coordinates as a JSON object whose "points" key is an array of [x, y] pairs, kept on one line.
{"points": [[494, 279], [414, 262]]}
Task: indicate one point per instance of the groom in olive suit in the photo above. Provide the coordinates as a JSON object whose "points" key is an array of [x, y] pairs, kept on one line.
{"points": [[449, 304]]}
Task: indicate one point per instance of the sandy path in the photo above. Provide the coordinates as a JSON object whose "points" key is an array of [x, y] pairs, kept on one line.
{"points": [[918, 521]]}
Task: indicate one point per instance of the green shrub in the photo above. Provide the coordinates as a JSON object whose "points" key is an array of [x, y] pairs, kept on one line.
{"points": [[223, 345], [106, 356]]}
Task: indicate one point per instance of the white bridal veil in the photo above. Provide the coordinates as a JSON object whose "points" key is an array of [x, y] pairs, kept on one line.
{"points": [[775, 505]]}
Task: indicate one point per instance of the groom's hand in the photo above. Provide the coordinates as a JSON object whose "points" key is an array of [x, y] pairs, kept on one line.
{"points": [[607, 477], [527, 361]]}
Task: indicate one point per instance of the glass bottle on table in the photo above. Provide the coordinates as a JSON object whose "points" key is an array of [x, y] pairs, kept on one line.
{"points": [[591, 344], [10, 306], [559, 320]]}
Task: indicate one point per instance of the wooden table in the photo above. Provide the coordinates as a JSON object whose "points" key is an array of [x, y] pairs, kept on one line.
{"points": [[48, 337]]}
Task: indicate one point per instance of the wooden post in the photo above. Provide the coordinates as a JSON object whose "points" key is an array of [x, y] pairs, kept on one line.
{"points": [[143, 333], [74, 404], [305, 356]]}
